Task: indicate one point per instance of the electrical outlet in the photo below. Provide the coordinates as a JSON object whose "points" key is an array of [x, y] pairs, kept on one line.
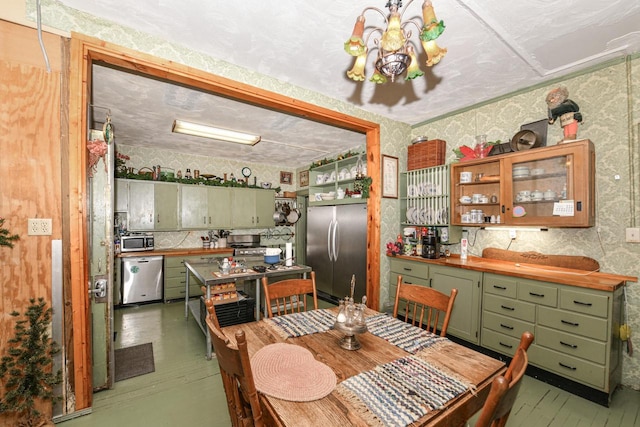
{"points": [[39, 227], [633, 235], [512, 233]]}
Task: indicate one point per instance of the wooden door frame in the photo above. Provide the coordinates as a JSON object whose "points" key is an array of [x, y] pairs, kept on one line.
{"points": [[86, 50]]}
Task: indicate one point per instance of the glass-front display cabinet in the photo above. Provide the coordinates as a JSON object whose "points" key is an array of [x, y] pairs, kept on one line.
{"points": [[551, 187]]}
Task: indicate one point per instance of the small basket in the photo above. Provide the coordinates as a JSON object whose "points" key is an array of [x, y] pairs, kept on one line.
{"points": [[426, 154]]}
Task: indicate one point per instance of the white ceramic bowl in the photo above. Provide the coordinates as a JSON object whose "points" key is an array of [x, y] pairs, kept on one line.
{"points": [[327, 196], [265, 185]]}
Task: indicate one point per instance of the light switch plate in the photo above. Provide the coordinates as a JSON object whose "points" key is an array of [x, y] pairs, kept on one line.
{"points": [[633, 235]]}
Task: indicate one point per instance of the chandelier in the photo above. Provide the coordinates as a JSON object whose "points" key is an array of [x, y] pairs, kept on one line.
{"points": [[396, 53]]}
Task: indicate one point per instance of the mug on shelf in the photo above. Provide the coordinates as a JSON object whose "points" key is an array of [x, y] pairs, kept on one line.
{"points": [[465, 177]]}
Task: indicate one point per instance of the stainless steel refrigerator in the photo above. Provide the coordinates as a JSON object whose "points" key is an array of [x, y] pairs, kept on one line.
{"points": [[337, 248]]}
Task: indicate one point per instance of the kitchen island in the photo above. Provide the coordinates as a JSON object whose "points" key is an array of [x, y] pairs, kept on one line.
{"points": [[209, 275]]}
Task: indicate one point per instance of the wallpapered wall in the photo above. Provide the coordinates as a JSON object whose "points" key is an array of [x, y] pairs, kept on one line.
{"points": [[603, 99]]}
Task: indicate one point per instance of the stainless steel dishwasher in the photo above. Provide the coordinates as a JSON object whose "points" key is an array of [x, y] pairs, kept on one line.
{"points": [[142, 279]]}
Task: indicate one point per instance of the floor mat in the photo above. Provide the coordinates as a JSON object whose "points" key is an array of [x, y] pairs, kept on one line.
{"points": [[134, 361]]}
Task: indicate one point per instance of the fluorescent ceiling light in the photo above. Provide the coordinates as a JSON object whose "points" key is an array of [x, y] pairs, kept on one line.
{"points": [[205, 131]]}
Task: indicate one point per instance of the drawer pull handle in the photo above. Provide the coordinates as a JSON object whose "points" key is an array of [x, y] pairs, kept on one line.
{"points": [[587, 304], [573, 368], [566, 322], [502, 288], [568, 345], [506, 326], [407, 269], [507, 308], [533, 294], [505, 345]]}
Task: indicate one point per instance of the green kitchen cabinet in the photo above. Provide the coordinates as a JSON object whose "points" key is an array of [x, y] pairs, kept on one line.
{"points": [[575, 328], [253, 208], [175, 275], [205, 207], [153, 206], [465, 318], [121, 196]]}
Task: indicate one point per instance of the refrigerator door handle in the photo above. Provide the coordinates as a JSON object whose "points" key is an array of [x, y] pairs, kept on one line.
{"points": [[329, 247], [334, 243]]}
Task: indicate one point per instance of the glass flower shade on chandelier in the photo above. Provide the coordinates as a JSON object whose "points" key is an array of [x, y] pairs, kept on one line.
{"points": [[396, 53]]}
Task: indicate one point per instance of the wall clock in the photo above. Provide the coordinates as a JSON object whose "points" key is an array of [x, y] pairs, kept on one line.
{"points": [[246, 172]]}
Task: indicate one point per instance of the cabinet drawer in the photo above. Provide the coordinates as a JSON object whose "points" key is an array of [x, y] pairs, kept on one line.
{"points": [[173, 261], [538, 293], [574, 323], [510, 307], [393, 285], [500, 285], [581, 347], [576, 369], [178, 293], [505, 325], [176, 282], [174, 272], [501, 343], [410, 268], [583, 302]]}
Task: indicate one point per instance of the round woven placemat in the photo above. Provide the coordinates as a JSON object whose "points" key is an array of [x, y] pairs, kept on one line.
{"points": [[290, 372]]}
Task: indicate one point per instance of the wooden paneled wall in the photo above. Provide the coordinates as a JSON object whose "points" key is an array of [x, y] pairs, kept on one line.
{"points": [[30, 169]]}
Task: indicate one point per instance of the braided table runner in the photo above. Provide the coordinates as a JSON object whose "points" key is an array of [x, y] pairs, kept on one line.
{"points": [[401, 334], [400, 392], [304, 323]]}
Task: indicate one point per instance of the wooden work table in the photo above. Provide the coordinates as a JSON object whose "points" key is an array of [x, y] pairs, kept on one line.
{"points": [[566, 276]]}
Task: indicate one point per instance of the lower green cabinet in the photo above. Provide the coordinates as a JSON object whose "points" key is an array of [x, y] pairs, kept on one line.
{"points": [[175, 276], [465, 318], [575, 328]]}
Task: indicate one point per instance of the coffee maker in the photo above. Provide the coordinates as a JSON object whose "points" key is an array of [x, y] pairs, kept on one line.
{"points": [[431, 244]]}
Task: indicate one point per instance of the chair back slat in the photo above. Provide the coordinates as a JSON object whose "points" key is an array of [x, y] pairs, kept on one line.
{"points": [[289, 295], [504, 389], [237, 378], [423, 306]]}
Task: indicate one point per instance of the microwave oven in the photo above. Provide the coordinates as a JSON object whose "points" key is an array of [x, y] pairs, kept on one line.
{"points": [[136, 242]]}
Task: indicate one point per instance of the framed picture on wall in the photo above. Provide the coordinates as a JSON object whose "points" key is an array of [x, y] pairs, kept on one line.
{"points": [[286, 177], [389, 177], [304, 178]]}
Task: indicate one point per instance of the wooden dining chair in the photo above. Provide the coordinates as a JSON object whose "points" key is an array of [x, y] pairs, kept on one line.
{"points": [[424, 306], [503, 393], [237, 377], [289, 295]]}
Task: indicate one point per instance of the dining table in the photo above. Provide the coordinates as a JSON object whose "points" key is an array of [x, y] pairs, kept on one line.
{"points": [[446, 361]]}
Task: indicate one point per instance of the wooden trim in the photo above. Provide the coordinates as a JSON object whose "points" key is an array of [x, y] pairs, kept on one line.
{"points": [[86, 50]]}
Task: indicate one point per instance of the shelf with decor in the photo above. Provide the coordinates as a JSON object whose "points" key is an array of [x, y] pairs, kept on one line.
{"points": [[549, 187], [336, 177], [425, 199]]}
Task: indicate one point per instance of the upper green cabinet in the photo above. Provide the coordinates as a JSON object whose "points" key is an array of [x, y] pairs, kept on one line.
{"points": [[205, 207], [153, 206], [161, 206], [252, 208]]}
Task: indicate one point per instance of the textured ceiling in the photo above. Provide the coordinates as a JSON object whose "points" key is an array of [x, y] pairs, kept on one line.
{"points": [[494, 47]]}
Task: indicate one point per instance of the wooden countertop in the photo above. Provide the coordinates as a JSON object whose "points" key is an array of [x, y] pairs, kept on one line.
{"points": [[584, 279], [178, 252]]}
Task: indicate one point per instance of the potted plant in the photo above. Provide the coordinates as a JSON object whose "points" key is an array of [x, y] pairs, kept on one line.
{"points": [[25, 370]]}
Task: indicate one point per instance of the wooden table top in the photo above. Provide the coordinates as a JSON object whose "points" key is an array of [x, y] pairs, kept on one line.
{"points": [[466, 364]]}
